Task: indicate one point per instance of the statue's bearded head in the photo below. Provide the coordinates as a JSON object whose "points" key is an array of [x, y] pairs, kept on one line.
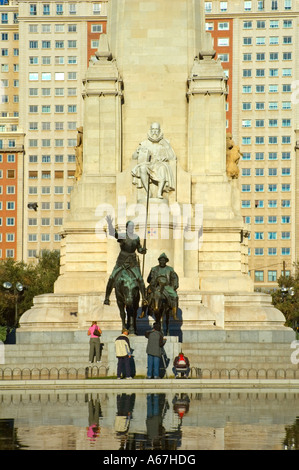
{"points": [[155, 130]]}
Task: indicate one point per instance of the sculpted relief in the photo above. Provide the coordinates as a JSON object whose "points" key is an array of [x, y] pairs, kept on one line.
{"points": [[153, 171], [233, 155], [79, 154]]}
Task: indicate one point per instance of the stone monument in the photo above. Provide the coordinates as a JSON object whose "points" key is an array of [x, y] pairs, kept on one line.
{"points": [[155, 152]]}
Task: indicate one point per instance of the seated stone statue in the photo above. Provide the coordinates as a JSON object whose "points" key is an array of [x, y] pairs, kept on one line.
{"points": [[153, 156]]}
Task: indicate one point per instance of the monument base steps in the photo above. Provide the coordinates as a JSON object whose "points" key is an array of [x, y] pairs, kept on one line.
{"points": [[211, 350]]}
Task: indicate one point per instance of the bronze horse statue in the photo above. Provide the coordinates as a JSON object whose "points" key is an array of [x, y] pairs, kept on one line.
{"points": [[158, 305], [127, 294]]}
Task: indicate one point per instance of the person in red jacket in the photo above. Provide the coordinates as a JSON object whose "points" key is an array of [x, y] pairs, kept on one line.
{"points": [[181, 365]]}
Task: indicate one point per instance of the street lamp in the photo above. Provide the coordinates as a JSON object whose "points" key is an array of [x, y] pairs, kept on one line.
{"points": [[18, 288], [287, 290]]}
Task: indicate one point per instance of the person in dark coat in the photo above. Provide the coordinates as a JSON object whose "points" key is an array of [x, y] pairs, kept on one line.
{"points": [[154, 350]]}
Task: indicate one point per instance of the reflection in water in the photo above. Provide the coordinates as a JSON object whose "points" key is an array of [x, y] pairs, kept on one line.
{"points": [[149, 421], [8, 435], [291, 441], [125, 406], [94, 414]]}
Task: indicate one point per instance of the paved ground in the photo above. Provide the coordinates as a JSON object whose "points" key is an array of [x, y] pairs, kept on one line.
{"points": [[154, 384]]}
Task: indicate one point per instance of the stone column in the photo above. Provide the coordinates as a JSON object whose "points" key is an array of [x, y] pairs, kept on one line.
{"points": [[296, 244], [84, 257]]}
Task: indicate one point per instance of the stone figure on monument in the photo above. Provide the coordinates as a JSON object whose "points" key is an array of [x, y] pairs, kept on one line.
{"points": [[162, 297], [79, 154], [153, 156], [127, 262], [233, 155]]}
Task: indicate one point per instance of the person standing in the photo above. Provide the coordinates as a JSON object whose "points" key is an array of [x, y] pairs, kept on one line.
{"points": [[94, 342], [154, 350], [123, 354]]}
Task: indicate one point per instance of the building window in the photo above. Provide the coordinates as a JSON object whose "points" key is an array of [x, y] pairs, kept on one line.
{"points": [[46, 9], [285, 235], [59, 76], [223, 42], [274, 40], [72, 9], [247, 73], [272, 276], [10, 221], [59, 9], [247, 41], [32, 253], [259, 276], [96, 8], [46, 76], [259, 235], [272, 235], [32, 9], [260, 41], [259, 251]]}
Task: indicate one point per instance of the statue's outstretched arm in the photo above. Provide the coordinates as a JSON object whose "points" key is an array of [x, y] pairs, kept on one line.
{"points": [[112, 231]]}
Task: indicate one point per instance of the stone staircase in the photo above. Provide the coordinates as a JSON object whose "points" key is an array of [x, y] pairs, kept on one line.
{"points": [[51, 359], [261, 354], [260, 359], [246, 360]]}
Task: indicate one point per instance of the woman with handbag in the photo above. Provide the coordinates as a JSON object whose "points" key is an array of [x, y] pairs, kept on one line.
{"points": [[94, 343]]}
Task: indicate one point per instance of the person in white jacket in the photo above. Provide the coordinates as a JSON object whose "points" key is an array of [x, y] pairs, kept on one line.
{"points": [[123, 354]]}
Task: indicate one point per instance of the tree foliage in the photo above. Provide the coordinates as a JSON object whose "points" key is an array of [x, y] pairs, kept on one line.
{"points": [[36, 278], [286, 298]]}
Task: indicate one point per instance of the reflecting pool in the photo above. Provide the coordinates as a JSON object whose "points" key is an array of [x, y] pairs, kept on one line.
{"points": [[146, 421]]}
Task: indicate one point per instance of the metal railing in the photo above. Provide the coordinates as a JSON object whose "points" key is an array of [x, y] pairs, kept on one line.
{"points": [[245, 374], [101, 371], [53, 373]]}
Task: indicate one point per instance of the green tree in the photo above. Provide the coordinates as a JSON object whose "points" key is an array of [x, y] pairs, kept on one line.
{"points": [[286, 298], [36, 279]]}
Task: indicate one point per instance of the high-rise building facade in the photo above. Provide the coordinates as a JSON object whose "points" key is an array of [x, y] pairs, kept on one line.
{"points": [[259, 51], [55, 42], [11, 136]]}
